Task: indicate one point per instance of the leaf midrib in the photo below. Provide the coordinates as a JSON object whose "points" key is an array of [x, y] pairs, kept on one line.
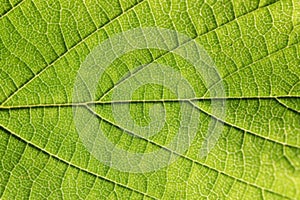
{"points": [[84, 104], [87, 104], [149, 101]]}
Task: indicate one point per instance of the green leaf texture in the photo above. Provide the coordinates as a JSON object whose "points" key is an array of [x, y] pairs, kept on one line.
{"points": [[255, 47]]}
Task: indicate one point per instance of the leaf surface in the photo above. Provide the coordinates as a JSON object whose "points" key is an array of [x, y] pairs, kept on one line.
{"points": [[255, 48]]}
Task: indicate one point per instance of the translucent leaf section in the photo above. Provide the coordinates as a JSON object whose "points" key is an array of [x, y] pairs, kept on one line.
{"points": [[254, 46]]}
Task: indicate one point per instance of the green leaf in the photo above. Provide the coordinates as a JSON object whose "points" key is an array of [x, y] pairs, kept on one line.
{"points": [[255, 48]]}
